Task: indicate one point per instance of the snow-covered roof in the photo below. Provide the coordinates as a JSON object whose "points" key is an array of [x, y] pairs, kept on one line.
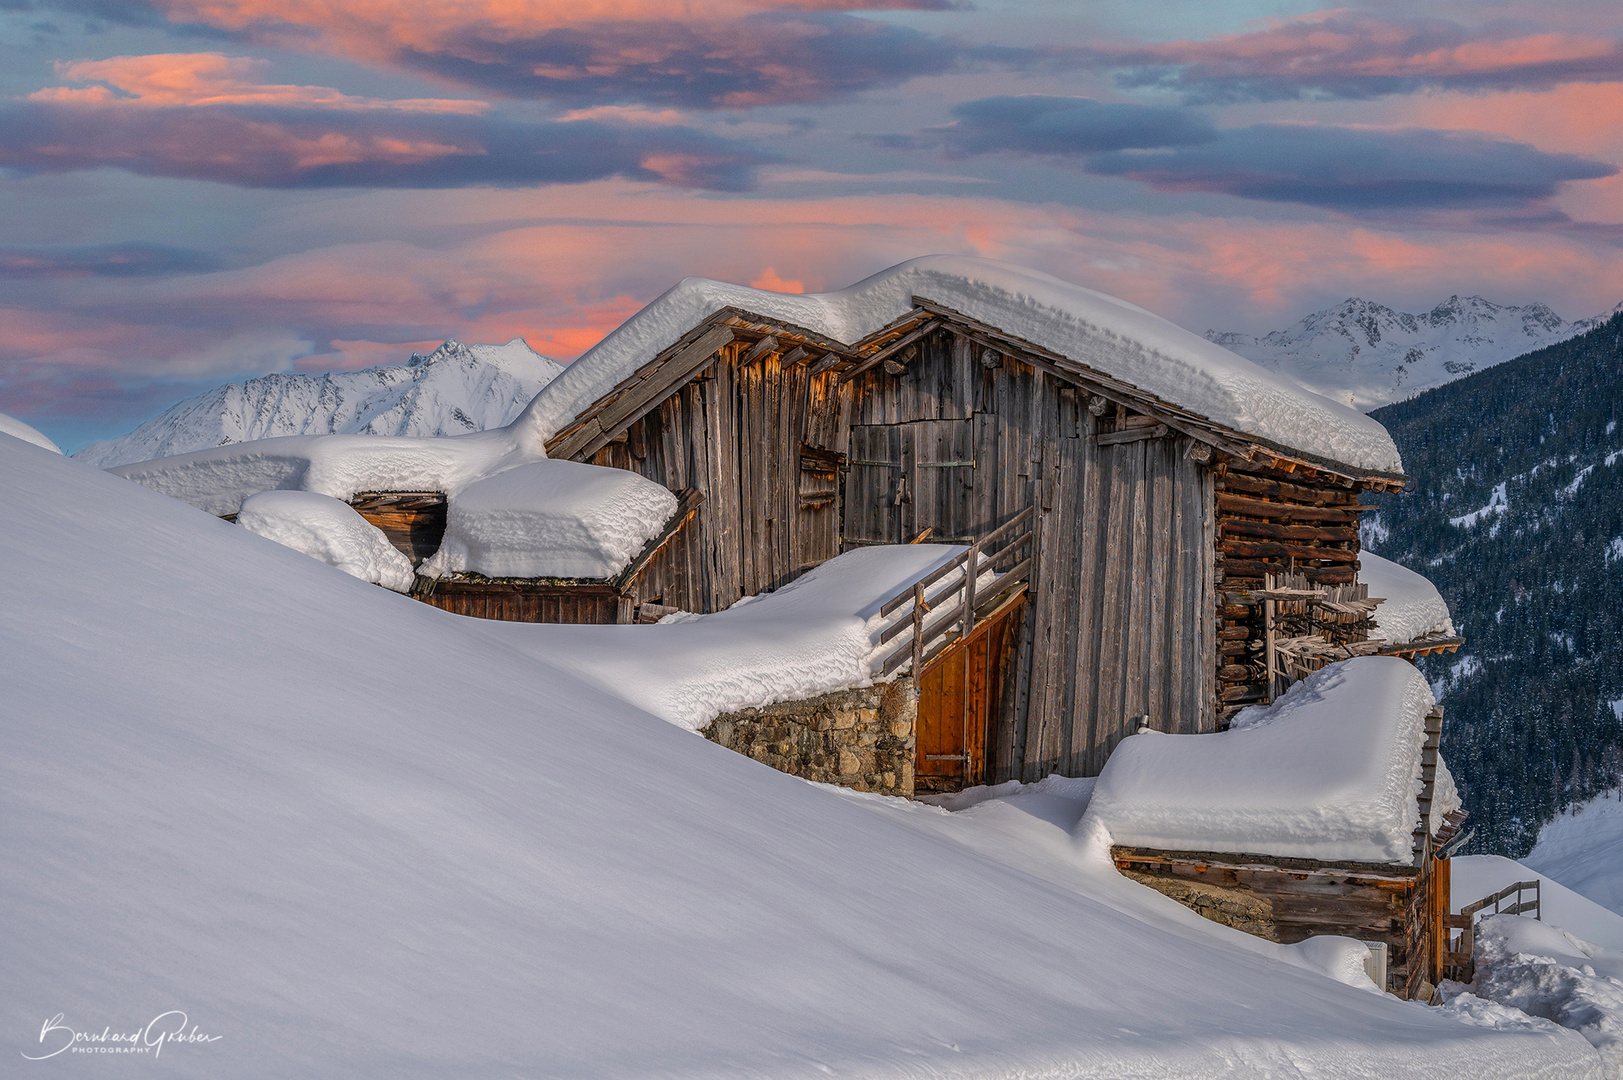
{"points": [[1330, 771], [329, 530], [218, 479], [552, 519], [10, 425], [1411, 606], [1109, 335]]}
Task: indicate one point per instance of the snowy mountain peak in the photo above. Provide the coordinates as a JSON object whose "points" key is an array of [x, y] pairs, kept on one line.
{"points": [[453, 390], [1366, 354]]}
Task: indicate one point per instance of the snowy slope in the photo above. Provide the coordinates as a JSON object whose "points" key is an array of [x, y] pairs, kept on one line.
{"points": [[451, 391], [1583, 850], [351, 835], [1367, 355], [10, 425]]}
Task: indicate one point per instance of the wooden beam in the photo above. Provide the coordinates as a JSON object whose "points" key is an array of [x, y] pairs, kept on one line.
{"points": [[655, 388], [687, 504], [1132, 434], [797, 355], [763, 348], [927, 327]]}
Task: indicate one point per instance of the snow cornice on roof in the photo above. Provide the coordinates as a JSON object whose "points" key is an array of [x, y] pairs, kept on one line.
{"points": [[1113, 348]]}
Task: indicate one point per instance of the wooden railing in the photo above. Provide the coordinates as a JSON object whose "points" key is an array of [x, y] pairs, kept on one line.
{"points": [[1457, 955], [1496, 901], [939, 608]]}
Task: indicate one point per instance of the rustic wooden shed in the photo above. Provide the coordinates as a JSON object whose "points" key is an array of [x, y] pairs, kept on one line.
{"points": [[1150, 525], [415, 521], [1404, 907]]}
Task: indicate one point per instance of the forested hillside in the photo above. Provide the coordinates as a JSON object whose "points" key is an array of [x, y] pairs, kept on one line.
{"points": [[1518, 518]]}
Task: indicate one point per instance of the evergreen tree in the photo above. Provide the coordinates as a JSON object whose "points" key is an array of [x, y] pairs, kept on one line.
{"points": [[1517, 517]]}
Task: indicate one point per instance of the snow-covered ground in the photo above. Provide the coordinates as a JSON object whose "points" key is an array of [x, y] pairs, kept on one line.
{"points": [[10, 425], [1583, 849], [453, 390], [1564, 965], [350, 835]]}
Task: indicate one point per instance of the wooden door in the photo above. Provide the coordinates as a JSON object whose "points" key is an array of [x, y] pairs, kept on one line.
{"points": [[904, 478], [959, 693]]}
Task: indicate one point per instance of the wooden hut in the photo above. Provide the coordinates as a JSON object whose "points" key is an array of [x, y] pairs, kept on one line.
{"points": [[1151, 524]]}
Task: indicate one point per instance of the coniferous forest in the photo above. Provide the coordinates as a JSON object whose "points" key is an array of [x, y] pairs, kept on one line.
{"points": [[1517, 516]]}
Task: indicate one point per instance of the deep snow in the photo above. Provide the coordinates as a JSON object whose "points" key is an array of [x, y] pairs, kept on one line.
{"points": [[324, 528], [1411, 607], [10, 425], [355, 836], [1330, 771], [1583, 849]]}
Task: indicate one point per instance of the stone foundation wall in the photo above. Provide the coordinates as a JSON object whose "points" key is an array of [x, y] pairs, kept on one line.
{"points": [[861, 739], [1241, 909]]}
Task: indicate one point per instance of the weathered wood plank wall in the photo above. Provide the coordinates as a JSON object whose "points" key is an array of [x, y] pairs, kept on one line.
{"points": [[1134, 530], [737, 434], [527, 602], [1120, 624]]}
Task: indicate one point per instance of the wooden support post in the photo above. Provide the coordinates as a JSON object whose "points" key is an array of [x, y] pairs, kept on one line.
{"points": [[1271, 659], [971, 559], [918, 631]]}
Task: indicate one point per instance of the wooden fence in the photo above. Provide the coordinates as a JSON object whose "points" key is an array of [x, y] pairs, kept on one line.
{"points": [[1457, 951], [939, 609]]}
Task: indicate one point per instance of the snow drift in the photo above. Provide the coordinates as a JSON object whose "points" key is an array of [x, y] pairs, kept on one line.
{"points": [[326, 529], [10, 425], [1330, 771]]}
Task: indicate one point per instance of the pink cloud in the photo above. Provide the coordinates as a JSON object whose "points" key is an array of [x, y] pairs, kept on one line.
{"points": [[1348, 53], [194, 79]]}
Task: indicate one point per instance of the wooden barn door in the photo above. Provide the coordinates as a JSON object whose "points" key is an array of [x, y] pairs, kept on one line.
{"points": [[959, 693], [904, 478]]}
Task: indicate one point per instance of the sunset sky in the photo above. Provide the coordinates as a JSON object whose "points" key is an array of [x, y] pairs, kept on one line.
{"points": [[196, 191]]}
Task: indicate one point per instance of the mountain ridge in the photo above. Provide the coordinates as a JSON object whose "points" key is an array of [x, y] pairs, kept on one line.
{"points": [[1368, 355], [453, 390]]}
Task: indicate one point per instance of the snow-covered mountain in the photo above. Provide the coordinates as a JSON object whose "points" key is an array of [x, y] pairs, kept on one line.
{"points": [[453, 390], [1368, 355]]}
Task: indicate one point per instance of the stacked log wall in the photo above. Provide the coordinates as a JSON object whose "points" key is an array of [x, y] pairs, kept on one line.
{"points": [[1298, 523]]}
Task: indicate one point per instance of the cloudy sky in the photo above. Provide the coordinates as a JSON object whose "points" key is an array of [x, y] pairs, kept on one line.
{"points": [[195, 191]]}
